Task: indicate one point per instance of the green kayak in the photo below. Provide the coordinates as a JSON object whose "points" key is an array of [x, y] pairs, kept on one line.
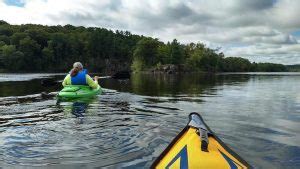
{"points": [[78, 91]]}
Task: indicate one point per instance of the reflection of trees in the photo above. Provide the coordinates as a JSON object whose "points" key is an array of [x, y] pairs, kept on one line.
{"points": [[164, 85], [188, 84], [23, 88], [232, 78], [19, 88], [170, 84]]}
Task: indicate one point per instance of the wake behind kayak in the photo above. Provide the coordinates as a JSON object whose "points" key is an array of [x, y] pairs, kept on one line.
{"points": [[196, 146]]}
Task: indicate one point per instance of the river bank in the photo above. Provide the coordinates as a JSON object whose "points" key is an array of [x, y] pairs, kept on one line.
{"points": [[183, 68]]}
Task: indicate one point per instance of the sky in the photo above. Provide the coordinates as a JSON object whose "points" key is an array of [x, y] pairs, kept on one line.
{"points": [[259, 30]]}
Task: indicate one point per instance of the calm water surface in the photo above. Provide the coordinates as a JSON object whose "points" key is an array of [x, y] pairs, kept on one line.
{"points": [[256, 114]]}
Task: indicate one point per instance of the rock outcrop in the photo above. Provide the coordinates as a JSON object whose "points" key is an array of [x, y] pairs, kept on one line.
{"points": [[171, 69]]}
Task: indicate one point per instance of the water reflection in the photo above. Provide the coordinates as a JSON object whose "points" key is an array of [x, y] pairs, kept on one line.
{"points": [[134, 120], [26, 87], [79, 108], [173, 85]]}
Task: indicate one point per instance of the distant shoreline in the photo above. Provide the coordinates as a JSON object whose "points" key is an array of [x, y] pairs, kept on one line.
{"points": [[32, 48]]}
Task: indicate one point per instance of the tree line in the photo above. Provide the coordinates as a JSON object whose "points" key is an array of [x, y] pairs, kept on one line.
{"points": [[39, 48], [150, 53], [293, 68]]}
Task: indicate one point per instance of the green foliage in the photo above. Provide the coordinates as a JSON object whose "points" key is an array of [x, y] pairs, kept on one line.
{"points": [[55, 48], [146, 51], [2, 22], [268, 67], [2, 43], [48, 60], [6, 30], [32, 55], [203, 58], [164, 53], [293, 68], [33, 48], [11, 57], [158, 65], [16, 61], [7, 50], [177, 53], [137, 65], [15, 38], [236, 64], [39, 35], [4, 39]]}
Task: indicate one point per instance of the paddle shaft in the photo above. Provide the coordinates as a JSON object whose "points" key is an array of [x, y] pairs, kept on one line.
{"points": [[118, 75], [103, 77]]}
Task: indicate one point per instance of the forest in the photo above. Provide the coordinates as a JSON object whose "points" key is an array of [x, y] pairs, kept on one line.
{"points": [[40, 48], [293, 68]]}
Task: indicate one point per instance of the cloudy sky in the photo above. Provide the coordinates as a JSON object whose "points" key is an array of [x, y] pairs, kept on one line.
{"points": [[260, 30]]}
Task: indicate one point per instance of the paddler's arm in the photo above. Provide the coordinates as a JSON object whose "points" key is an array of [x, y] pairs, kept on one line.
{"points": [[93, 84], [67, 80]]}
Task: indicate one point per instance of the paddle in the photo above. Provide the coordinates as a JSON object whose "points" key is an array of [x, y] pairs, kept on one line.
{"points": [[119, 75]]}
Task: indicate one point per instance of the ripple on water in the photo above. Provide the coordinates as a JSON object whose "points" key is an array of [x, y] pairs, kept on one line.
{"points": [[119, 129], [121, 132]]}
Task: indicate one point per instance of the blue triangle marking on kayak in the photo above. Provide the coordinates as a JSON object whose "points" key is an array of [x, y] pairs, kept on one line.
{"points": [[183, 159], [231, 163]]}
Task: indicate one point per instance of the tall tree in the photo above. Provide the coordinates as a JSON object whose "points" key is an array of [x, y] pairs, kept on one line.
{"points": [[177, 53], [32, 53]]}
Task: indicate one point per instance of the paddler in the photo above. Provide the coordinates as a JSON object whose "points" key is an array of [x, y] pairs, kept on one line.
{"points": [[79, 76]]}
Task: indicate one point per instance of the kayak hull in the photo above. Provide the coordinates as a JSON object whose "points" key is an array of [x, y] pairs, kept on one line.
{"points": [[188, 150], [78, 91]]}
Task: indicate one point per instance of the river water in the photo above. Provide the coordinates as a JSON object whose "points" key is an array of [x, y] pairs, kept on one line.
{"points": [[128, 126]]}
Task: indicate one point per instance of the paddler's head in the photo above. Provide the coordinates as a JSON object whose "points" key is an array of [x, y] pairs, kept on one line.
{"points": [[77, 66]]}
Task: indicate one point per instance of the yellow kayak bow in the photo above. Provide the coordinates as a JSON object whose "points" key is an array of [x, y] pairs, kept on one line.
{"points": [[196, 146]]}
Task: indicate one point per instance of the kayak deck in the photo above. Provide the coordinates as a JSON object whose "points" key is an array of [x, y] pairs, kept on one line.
{"points": [[78, 91], [196, 146]]}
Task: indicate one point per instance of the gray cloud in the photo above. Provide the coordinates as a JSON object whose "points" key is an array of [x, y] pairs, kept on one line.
{"points": [[252, 5], [115, 5]]}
